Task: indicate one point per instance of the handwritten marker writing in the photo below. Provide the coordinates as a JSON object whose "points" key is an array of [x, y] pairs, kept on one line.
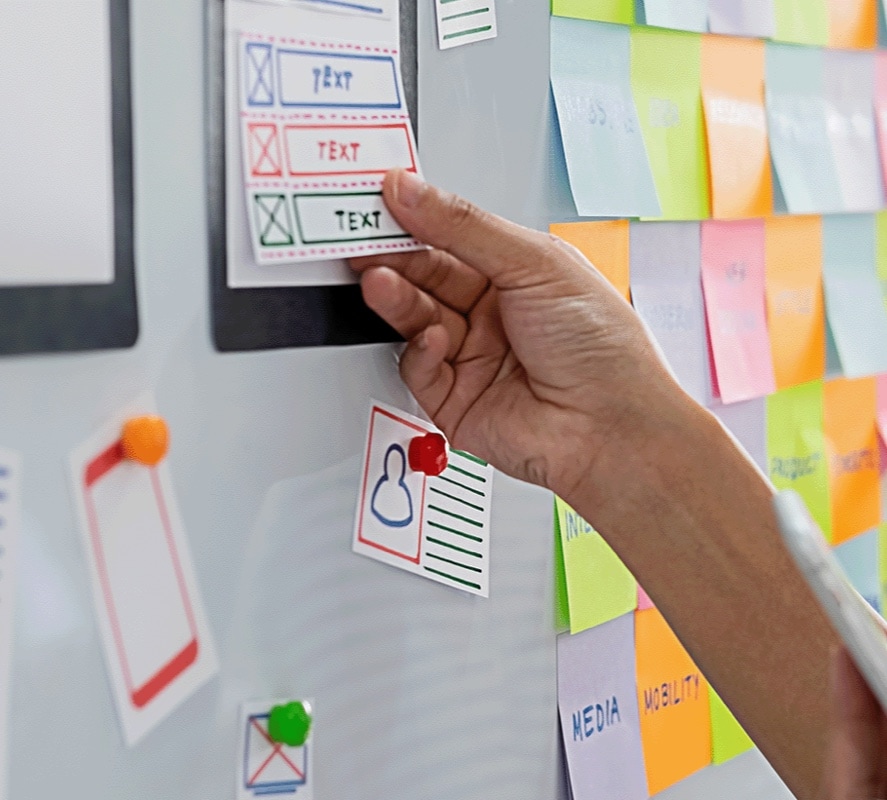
{"points": [[146, 440], [290, 724], [428, 454]]}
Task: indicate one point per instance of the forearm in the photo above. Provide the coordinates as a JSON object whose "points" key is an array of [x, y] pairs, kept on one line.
{"points": [[692, 519]]}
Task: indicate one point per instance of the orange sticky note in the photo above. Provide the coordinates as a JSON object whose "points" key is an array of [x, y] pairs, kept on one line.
{"points": [[795, 301], [736, 126], [604, 244], [851, 441], [853, 24], [673, 702]]}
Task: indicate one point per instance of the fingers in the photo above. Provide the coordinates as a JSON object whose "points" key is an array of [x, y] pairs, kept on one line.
{"points": [[440, 274], [509, 255], [425, 370], [410, 310]]}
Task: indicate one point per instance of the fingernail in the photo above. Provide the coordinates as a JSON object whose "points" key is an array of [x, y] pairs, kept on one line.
{"points": [[409, 189]]}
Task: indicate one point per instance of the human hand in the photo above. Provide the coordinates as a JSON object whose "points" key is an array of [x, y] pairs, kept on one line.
{"points": [[518, 349], [856, 759]]}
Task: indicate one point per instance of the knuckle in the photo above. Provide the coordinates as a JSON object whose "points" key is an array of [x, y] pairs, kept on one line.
{"points": [[462, 213]]}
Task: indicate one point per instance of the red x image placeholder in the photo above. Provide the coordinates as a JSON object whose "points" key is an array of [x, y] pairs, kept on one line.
{"points": [[264, 150]]}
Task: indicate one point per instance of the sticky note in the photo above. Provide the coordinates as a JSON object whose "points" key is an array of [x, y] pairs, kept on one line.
{"points": [[853, 24], [802, 21], [10, 526], [679, 15], [742, 17], [670, 111], [882, 562], [853, 301], [799, 138], [666, 287], [881, 107], [849, 92], [604, 148], [860, 558], [739, 153], [881, 405], [851, 438], [156, 639], [673, 704], [733, 285], [747, 422], [437, 527], [796, 448], [465, 21], [600, 10], [599, 585], [795, 300], [605, 244], [598, 708], [561, 601], [881, 251], [728, 739], [644, 601]]}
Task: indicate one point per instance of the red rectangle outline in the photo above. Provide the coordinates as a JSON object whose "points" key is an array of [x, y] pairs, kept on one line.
{"points": [[363, 491], [289, 161], [140, 695]]}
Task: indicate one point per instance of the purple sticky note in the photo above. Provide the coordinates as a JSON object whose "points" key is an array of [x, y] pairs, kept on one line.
{"points": [[748, 423], [598, 703], [742, 17]]}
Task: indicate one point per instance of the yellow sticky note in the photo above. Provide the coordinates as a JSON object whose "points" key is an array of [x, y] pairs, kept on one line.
{"points": [[673, 703], [795, 302], [881, 252], [599, 585], [736, 124], [728, 739], [600, 10], [802, 21], [605, 244], [851, 438]]}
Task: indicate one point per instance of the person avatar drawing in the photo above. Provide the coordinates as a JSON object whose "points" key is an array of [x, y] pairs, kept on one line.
{"points": [[391, 502]]}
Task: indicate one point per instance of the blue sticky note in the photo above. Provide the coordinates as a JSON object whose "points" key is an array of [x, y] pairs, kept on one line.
{"points": [[606, 158], [799, 138], [856, 314], [860, 560], [682, 15]]}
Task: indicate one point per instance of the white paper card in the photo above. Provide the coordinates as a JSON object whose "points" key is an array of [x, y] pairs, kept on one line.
{"points": [[268, 769], [435, 527], [378, 9], [598, 704], [10, 524], [465, 21], [157, 643]]}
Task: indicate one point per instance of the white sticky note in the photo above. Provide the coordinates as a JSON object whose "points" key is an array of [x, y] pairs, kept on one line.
{"points": [[598, 704], [157, 643], [437, 527], [10, 524], [265, 768], [682, 15], [321, 124], [465, 21]]}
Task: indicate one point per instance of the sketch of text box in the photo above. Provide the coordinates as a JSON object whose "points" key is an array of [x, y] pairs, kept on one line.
{"points": [[348, 149], [321, 79], [344, 217]]}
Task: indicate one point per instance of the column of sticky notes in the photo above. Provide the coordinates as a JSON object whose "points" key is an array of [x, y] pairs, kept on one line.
{"points": [[739, 151]]}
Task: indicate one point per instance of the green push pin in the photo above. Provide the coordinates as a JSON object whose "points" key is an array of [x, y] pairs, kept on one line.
{"points": [[290, 724]]}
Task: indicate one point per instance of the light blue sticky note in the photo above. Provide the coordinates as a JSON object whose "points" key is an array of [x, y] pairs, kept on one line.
{"points": [[849, 92], [666, 290], [859, 558], [799, 137], [682, 15], [606, 159], [856, 314], [742, 17]]}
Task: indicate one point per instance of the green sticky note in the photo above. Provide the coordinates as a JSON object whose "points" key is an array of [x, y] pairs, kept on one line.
{"points": [[881, 251], [801, 21], [666, 73], [561, 603], [599, 10], [796, 448], [728, 739], [599, 586]]}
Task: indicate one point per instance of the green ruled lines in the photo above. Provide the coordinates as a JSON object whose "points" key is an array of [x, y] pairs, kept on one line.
{"points": [[465, 21]]}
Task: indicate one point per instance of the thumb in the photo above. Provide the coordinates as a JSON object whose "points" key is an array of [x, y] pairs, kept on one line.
{"points": [[509, 255]]}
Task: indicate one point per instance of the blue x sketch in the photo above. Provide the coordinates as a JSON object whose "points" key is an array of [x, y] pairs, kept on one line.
{"points": [[259, 74]]}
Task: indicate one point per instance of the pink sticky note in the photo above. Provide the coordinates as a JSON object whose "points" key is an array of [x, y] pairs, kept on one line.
{"points": [[733, 284], [644, 601], [881, 106], [882, 408]]}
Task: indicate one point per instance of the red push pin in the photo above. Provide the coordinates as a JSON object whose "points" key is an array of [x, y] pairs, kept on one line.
{"points": [[428, 454]]}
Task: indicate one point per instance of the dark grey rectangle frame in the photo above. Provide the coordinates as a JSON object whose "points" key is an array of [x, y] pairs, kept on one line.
{"points": [[44, 319], [270, 318]]}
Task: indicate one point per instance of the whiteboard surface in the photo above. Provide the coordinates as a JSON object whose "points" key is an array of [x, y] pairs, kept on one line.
{"points": [[420, 691]]}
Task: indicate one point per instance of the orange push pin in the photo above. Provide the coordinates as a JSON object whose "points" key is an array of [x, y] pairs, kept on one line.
{"points": [[428, 454], [145, 439]]}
